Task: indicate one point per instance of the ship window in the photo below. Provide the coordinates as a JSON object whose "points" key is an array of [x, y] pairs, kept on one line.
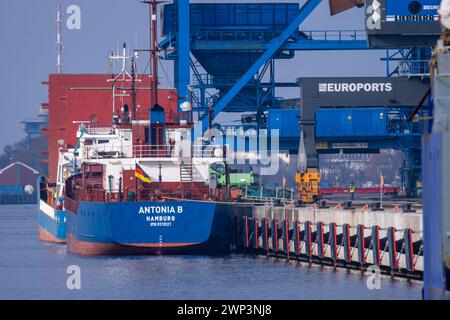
{"points": [[127, 135], [102, 141], [218, 167]]}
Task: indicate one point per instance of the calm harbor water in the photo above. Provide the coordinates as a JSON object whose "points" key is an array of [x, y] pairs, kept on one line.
{"points": [[30, 269]]}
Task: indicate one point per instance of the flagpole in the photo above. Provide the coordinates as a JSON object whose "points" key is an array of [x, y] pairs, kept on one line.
{"points": [[135, 181], [381, 189]]}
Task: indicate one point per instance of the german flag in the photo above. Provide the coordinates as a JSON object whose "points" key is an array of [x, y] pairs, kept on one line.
{"points": [[139, 173]]}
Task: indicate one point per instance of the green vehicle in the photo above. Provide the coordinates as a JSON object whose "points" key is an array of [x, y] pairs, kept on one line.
{"points": [[238, 177]]}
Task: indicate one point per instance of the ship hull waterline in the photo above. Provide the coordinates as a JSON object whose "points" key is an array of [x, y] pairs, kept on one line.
{"points": [[51, 224], [151, 228]]}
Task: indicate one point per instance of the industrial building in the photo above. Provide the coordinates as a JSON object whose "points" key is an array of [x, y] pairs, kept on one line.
{"points": [[18, 184]]}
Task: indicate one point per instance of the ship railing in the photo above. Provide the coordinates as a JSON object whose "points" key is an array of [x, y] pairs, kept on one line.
{"points": [[136, 151], [90, 194], [100, 131], [151, 151], [96, 128], [157, 192], [104, 152], [184, 192]]}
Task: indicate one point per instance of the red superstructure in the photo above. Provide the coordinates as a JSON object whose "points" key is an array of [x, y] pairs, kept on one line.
{"points": [[88, 97]]}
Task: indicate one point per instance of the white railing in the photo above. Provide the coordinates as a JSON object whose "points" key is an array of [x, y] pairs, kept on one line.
{"points": [[149, 151], [169, 151]]}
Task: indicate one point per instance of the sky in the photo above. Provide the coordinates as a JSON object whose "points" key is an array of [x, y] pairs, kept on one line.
{"points": [[28, 50]]}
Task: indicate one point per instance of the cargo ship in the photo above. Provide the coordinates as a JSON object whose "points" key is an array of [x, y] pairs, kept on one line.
{"points": [[51, 223], [145, 199], [138, 184], [51, 213]]}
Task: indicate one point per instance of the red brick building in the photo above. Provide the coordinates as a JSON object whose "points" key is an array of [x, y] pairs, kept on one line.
{"points": [[18, 174]]}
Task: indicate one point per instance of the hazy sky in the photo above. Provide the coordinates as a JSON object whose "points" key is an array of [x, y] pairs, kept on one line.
{"points": [[28, 55]]}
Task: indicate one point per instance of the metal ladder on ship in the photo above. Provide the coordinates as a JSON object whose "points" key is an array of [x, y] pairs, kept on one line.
{"points": [[186, 171]]}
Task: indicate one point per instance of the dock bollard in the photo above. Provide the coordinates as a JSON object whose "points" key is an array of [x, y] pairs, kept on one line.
{"points": [[285, 229], [392, 247], [265, 234], [246, 232], [275, 235], [333, 243], [346, 242], [376, 245], [361, 245], [255, 233], [297, 240], [409, 250], [251, 232], [319, 240], [238, 232], [308, 241]]}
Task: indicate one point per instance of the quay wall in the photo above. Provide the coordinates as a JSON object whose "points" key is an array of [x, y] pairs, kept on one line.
{"points": [[390, 239]]}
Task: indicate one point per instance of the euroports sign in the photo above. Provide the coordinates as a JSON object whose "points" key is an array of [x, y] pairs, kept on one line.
{"points": [[323, 92], [337, 87]]}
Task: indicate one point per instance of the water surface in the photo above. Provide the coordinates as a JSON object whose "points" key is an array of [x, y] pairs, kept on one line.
{"points": [[30, 269]]}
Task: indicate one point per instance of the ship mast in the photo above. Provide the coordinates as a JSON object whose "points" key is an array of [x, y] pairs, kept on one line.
{"points": [[153, 50], [59, 46], [123, 77], [133, 88]]}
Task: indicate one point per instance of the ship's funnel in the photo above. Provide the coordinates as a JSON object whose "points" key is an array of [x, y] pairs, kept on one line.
{"points": [[338, 6]]}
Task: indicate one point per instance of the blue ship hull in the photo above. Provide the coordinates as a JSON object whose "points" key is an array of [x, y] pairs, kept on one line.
{"points": [[51, 224], [175, 227]]}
